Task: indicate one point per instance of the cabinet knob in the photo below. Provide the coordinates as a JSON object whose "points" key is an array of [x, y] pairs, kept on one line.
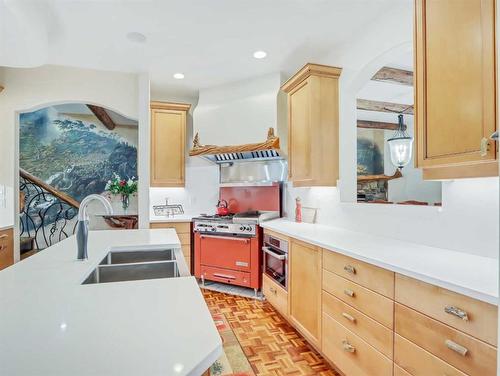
{"points": [[350, 269], [455, 311], [349, 293], [348, 317], [456, 347], [347, 346]]}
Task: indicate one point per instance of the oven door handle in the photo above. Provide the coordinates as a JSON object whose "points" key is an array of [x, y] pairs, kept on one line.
{"points": [[273, 254], [225, 238]]}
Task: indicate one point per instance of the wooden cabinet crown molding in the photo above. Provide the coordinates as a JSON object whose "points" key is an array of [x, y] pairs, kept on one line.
{"points": [[169, 106], [310, 70]]}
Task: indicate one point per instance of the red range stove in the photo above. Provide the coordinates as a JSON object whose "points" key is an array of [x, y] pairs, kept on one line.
{"points": [[227, 249]]}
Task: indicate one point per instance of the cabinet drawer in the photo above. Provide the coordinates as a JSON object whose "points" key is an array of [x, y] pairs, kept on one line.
{"points": [[440, 339], [6, 248], [479, 318], [275, 295], [370, 276], [418, 362], [368, 329], [351, 354], [180, 227], [376, 306], [225, 276]]}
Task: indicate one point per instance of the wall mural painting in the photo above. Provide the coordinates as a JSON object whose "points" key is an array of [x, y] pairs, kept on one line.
{"points": [[70, 148]]}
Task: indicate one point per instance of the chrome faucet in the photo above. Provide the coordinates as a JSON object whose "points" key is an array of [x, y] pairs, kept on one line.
{"points": [[82, 230]]}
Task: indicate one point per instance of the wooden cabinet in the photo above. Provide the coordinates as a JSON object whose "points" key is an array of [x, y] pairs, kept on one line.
{"points": [[367, 320], [275, 295], [183, 230], [455, 88], [168, 144], [476, 318], [313, 126], [6, 248], [304, 289]]}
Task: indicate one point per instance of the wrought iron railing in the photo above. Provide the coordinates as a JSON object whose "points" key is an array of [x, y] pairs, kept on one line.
{"points": [[47, 215]]}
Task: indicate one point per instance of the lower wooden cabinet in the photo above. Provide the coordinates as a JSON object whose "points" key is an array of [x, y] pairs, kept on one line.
{"points": [[458, 349], [6, 248], [304, 290], [275, 294], [419, 362], [345, 309], [351, 354]]}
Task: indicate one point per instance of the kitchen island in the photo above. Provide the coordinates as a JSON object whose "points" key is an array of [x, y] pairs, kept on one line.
{"points": [[51, 324]]}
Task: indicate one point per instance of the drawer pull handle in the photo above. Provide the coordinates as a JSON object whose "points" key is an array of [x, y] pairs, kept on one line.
{"points": [[273, 290], [349, 293], [347, 346], [3, 236], [348, 317], [456, 347], [350, 269], [224, 276], [461, 314]]}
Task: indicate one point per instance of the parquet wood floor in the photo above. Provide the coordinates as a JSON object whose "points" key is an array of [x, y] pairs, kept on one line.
{"points": [[272, 346]]}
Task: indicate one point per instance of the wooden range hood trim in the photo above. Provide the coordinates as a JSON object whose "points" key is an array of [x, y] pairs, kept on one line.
{"points": [[272, 143]]}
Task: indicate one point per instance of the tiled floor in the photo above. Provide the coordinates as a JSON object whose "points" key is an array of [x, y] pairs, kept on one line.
{"points": [[270, 344]]}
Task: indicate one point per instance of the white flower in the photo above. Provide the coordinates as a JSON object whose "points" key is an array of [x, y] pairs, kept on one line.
{"points": [[130, 182]]}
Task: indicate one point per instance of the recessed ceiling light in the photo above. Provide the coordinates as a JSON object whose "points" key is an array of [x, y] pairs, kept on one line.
{"points": [[259, 54], [136, 37], [179, 76]]}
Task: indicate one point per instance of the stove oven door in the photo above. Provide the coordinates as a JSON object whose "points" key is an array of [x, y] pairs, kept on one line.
{"points": [[225, 252]]}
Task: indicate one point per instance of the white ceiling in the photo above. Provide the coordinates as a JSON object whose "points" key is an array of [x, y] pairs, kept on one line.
{"points": [[210, 41]]}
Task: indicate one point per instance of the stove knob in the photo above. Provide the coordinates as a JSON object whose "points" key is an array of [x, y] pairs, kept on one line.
{"points": [[242, 228], [212, 229], [249, 228]]}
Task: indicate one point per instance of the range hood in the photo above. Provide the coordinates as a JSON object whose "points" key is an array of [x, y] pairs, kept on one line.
{"points": [[267, 150]]}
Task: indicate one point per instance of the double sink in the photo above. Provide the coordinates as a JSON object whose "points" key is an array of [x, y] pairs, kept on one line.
{"points": [[135, 265]]}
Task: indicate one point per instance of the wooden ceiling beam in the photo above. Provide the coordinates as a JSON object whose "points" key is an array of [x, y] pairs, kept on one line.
{"points": [[369, 105], [394, 76], [368, 124], [101, 114]]}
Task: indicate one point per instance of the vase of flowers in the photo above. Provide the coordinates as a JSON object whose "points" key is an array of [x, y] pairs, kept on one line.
{"points": [[123, 187]]}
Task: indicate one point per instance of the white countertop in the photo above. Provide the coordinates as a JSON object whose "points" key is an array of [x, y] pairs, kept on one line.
{"points": [[467, 274], [51, 325], [176, 218]]}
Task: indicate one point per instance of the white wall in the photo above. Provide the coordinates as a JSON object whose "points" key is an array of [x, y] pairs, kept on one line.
{"points": [[238, 113], [29, 89]]}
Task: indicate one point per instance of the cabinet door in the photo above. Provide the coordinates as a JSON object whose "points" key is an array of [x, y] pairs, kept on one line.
{"points": [[168, 138], [455, 81], [305, 289], [300, 134]]}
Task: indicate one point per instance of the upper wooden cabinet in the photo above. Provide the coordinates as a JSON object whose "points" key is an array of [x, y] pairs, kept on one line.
{"points": [[168, 144], [313, 126], [455, 88]]}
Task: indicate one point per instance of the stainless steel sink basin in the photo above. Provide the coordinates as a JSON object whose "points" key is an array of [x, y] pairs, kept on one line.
{"points": [[132, 272], [129, 257], [134, 265]]}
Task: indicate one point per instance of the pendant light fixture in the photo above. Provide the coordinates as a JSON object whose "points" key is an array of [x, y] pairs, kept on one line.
{"points": [[400, 145]]}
